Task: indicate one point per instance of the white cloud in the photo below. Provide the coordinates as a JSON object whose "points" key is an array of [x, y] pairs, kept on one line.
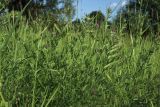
{"points": [[119, 4], [113, 5], [124, 3]]}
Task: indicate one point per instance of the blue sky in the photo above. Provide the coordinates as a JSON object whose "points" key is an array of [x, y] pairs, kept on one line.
{"points": [[86, 6]]}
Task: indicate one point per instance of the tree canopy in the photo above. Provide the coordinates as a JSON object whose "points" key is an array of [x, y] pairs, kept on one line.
{"points": [[96, 16], [60, 8], [140, 13]]}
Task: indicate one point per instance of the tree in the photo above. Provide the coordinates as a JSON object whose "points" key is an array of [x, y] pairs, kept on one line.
{"points": [[140, 13], [149, 7], [2, 6], [96, 16], [67, 9], [39, 7]]}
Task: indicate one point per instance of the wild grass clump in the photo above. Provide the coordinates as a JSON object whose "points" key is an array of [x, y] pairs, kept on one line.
{"points": [[61, 66]]}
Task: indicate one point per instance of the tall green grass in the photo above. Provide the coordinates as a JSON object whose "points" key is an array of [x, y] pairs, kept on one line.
{"points": [[87, 66]]}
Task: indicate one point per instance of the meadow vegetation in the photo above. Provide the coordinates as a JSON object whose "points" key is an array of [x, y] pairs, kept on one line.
{"points": [[61, 66]]}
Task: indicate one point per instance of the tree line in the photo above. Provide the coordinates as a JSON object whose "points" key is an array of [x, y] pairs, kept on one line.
{"points": [[35, 8], [141, 13]]}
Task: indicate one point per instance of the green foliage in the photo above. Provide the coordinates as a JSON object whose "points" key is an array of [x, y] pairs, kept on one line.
{"points": [[67, 67], [95, 16], [144, 14], [65, 10], [35, 9]]}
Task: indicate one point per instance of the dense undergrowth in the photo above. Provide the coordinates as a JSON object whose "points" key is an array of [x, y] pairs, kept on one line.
{"points": [[87, 66]]}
